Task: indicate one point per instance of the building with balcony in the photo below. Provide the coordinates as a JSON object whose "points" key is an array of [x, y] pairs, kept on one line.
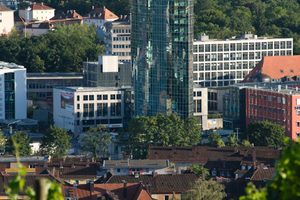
{"points": [[219, 63]]}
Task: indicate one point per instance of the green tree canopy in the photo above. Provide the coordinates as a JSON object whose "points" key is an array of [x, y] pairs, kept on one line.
{"points": [[265, 133], [97, 137], [23, 142], [56, 142], [205, 190], [215, 139]]}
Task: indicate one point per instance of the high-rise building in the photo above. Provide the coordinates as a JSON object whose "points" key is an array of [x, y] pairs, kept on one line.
{"points": [[162, 57]]}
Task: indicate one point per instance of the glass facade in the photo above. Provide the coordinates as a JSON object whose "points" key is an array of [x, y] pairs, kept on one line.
{"points": [[162, 57]]}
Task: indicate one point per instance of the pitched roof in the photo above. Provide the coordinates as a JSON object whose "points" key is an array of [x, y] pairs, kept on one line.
{"points": [[69, 14], [101, 13], [276, 67], [135, 163], [51, 24], [38, 6], [134, 191], [4, 8], [263, 173], [160, 183]]}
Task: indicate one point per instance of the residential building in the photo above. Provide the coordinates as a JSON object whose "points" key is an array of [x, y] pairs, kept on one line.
{"points": [[36, 11], [219, 63], [160, 186], [70, 14], [40, 85], [275, 69], [98, 16], [6, 19], [19, 24], [109, 71], [161, 49], [12, 4], [136, 167], [200, 105], [13, 91], [78, 108], [117, 38]]}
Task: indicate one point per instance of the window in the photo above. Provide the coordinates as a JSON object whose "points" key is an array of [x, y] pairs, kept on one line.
{"points": [[298, 135], [78, 98], [119, 96], [167, 197], [298, 101], [99, 97], [279, 100], [105, 97], [199, 94], [269, 98], [118, 170], [298, 112], [283, 100], [78, 106], [85, 97], [91, 97], [78, 114], [298, 124], [113, 96]]}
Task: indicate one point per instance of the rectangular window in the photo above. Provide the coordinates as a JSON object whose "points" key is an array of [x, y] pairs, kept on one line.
{"points": [[91, 97], [78, 98], [298, 135], [199, 94], [298, 112], [85, 97], [279, 100], [119, 96], [298, 124], [85, 110], [78, 106], [99, 97], [112, 97], [298, 101], [283, 100], [105, 97], [269, 98]]}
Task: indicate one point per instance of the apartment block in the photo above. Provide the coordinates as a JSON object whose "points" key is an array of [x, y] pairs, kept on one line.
{"points": [[219, 63]]}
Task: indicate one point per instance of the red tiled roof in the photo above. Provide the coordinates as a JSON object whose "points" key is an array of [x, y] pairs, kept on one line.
{"points": [[4, 8], [68, 15], [276, 67], [161, 183], [101, 13], [38, 6], [135, 191]]}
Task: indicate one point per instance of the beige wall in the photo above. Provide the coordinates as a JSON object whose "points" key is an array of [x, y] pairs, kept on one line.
{"points": [[6, 21], [162, 196]]}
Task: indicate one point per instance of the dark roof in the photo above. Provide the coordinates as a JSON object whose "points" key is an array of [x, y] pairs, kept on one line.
{"points": [[51, 24], [4, 8], [70, 14], [263, 173], [134, 191], [135, 163], [101, 13], [161, 183], [38, 6]]}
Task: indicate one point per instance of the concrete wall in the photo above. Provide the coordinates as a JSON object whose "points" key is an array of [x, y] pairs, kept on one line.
{"points": [[20, 94]]}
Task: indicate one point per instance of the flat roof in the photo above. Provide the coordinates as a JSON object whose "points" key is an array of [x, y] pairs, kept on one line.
{"points": [[92, 89], [24, 159]]}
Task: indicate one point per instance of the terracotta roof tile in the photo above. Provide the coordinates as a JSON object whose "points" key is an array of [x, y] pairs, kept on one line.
{"points": [[263, 173], [101, 13], [4, 8], [38, 6], [276, 67]]}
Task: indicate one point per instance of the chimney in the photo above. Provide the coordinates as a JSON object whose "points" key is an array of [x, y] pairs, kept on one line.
{"points": [[64, 159], [235, 150], [60, 164], [125, 189], [254, 154], [104, 8], [91, 187], [155, 174], [93, 159], [53, 171], [87, 163], [42, 4], [203, 175], [224, 163]]}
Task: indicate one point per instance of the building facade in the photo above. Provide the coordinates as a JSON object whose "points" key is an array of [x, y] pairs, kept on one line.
{"points": [[200, 105], [37, 11], [219, 63], [117, 38], [98, 16], [161, 48], [13, 91], [6, 19], [79, 108]]}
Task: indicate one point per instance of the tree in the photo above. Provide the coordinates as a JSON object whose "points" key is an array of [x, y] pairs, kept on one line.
{"points": [[56, 142], [199, 170], [215, 139], [205, 190], [231, 140], [97, 137], [265, 133], [2, 141], [23, 142], [245, 143]]}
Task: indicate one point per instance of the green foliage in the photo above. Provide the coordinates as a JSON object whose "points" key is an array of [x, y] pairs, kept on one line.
{"points": [[159, 130], [215, 139], [23, 142], [61, 50], [265, 133], [205, 190], [245, 143], [97, 137], [56, 142], [199, 169], [252, 193], [2, 141], [231, 140]]}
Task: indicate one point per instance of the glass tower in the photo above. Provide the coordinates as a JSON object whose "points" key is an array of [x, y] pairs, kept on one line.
{"points": [[162, 57]]}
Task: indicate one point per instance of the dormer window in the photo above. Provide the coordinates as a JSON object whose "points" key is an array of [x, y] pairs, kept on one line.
{"points": [[281, 70], [249, 167], [292, 70], [265, 180], [243, 167]]}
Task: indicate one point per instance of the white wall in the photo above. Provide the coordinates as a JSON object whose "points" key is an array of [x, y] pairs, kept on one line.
{"points": [[42, 14], [6, 21], [109, 63], [63, 118], [35, 31], [20, 94], [35, 147]]}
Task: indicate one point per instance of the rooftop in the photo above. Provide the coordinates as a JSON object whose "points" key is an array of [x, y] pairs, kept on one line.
{"points": [[13, 159], [69, 14], [135, 163], [92, 89], [38, 6], [101, 13], [6, 65], [4, 8]]}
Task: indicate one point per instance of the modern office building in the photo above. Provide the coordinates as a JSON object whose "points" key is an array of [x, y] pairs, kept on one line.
{"points": [[12, 91], [161, 49], [117, 38], [78, 108], [219, 63], [108, 71]]}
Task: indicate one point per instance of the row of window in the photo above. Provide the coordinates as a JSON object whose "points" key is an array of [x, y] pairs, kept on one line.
{"points": [[122, 53], [245, 46], [197, 94], [219, 83], [239, 55], [223, 66], [121, 38], [49, 85], [270, 109], [102, 109], [220, 75], [99, 97], [121, 31], [270, 98], [274, 120]]}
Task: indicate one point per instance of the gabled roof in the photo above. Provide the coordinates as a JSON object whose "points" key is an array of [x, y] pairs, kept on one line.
{"points": [[134, 191], [263, 173], [160, 183], [38, 6], [276, 67], [135, 163], [4, 8], [52, 23], [70, 14], [101, 13]]}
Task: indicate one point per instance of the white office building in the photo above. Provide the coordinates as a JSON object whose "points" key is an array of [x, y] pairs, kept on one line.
{"points": [[13, 98], [219, 63]]}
